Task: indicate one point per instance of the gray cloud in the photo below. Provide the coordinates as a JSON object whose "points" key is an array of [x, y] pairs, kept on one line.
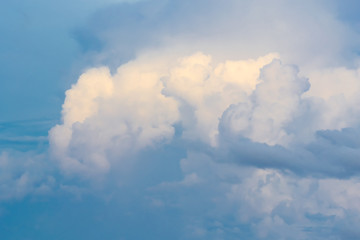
{"points": [[229, 29]]}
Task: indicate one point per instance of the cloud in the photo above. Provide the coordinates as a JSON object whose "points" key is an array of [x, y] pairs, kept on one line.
{"points": [[258, 152], [307, 33], [228, 201], [130, 103], [234, 120], [274, 103], [106, 115], [249, 109], [23, 174]]}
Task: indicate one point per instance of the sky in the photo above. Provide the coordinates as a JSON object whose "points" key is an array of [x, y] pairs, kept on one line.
{"points": [[179, 119]]}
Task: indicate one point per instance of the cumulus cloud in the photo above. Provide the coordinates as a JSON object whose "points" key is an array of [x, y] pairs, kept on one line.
{"points": [[243, 117], [139, 105], [22, 174], [236, 106], [126, 112], [227, 201], [274, 103], [259, 152]]}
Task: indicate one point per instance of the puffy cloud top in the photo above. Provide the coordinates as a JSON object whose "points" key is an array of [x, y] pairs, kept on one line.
{"points": [[234, 120]]}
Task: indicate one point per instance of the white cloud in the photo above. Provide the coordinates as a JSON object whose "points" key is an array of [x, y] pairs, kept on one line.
{"points": [[22, 174], [268, 203], [137, 107], [271, 148], [108, 117], [273, 105]]}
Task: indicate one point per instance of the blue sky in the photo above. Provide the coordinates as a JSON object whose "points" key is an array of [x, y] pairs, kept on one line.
{"points": [[169, 119]]}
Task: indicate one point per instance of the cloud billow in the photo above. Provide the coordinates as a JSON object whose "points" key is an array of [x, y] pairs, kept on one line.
{"points": [[233, 120], [242, 126]]}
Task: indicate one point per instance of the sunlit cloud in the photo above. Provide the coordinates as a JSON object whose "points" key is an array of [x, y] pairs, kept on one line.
{"points": [[232, 119]]}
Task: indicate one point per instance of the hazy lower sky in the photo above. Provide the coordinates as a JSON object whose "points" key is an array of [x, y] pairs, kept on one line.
{"points": [[179, 119]]}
